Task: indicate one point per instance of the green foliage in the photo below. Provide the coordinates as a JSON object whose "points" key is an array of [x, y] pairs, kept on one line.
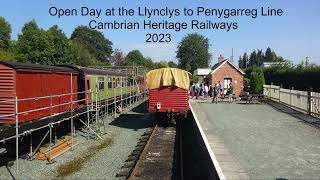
{"points": [[256, 81], [193, 52], [5, 31], [81, 56], [97, 45], [300, 77], [7, 55], [117, 58], [172, 64], [34, 45], [161, 64], [194, 79], [243, 61], [61, 46], [246, 82], [258, 57], [148, 63], [134, 57]]}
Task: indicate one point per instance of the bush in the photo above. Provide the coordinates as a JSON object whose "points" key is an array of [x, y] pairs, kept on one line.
{"points": [[256, 81], [301, 78], [246, 84]]}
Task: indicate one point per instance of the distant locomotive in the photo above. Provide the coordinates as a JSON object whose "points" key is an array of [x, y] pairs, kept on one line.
{"points": [[168, 91]]}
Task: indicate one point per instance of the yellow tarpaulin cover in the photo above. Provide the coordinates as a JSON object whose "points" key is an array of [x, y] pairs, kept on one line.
{"points": [[168, 77]]}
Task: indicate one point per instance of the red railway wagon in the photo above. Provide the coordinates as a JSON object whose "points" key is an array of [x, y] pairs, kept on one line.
{"points": [[168, 90], [32, 83], [168, 99]]}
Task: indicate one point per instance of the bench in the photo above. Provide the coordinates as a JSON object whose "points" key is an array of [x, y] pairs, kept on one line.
{"points": [[250, 97]]}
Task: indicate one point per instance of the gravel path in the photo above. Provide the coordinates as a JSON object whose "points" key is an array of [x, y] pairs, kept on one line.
{"points": [[124, 133], [268, 143]]}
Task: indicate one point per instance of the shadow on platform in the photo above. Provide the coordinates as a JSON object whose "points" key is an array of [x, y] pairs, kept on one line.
{"points": [[294, 113]]}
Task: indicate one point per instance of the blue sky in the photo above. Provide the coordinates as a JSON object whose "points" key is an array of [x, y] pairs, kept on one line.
{"points": [[295, 35]]}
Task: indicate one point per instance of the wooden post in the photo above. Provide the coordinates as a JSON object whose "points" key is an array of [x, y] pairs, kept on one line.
{"points": [[280, 92], [291, 95], [309, 101]]}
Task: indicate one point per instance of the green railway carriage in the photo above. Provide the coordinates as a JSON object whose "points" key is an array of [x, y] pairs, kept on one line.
{"points": [[103, 84]]}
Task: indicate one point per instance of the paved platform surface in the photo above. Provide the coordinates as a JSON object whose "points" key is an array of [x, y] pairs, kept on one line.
{"points": [[257, 141]]}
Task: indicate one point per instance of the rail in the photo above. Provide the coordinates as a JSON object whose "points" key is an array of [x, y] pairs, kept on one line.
{"points": [[303, 101]]}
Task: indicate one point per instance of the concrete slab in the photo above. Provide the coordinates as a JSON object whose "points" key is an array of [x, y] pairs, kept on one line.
{"points": [[258, 141]]}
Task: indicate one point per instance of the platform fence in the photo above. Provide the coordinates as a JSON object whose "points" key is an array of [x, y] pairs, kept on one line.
{"points": [[304, 101], [94, 109]]}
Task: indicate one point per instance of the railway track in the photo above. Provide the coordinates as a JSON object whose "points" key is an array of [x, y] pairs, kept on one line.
{"points": [[158, 154]]}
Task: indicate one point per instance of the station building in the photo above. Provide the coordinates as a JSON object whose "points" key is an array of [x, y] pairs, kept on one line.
{"points": [[224, 71]]}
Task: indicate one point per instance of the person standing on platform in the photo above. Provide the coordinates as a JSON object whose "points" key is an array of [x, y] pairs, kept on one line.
{"points": [[230, 92], [206, 90], [221, 88], [197, 90], [215, 93]]}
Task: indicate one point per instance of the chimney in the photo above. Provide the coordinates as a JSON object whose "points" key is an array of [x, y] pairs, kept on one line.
{"points": [[220, 58]]}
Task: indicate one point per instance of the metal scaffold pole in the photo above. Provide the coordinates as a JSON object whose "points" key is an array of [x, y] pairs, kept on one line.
{"points": [[50, 143], [121, 83], [115, 98], [71, 112], [96, 95], [17, 137], [88, 115], [107, 103]]}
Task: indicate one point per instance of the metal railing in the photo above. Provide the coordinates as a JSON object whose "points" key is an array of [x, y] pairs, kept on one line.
{"points": [[99, 106], [303, 101]]}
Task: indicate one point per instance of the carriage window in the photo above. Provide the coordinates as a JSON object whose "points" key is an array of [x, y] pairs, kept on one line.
{"points": [[118, 82], [123, 82], [100, 83], [109, 82]]}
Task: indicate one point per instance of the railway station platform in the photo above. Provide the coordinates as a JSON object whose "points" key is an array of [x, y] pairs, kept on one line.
{"points": [[257, 141]]}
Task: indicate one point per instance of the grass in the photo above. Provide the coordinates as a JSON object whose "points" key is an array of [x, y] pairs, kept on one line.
{"points": [[77, 163]]}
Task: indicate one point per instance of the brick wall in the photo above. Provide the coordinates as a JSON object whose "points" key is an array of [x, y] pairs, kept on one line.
{"points": [[228, 71]]}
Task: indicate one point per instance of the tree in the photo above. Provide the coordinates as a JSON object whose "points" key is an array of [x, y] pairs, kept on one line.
{"points": [[172, 64], [245, 60], [193, 52], [260, 58], [241, 63], [161, 64], [5, 31], [253, 59], [118, 58], [134, 57], [148, 63], [61, 48], [94, 41], [34, 45], [257, 81]]}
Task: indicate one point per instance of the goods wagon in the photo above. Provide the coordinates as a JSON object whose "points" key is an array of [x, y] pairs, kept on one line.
{"points": [[168, 90], [36, 87]]}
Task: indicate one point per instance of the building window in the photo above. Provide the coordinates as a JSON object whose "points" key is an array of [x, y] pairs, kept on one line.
{"points": [[100, 83]]}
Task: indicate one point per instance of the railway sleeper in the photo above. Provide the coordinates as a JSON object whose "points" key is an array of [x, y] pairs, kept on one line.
{"points": [[132, 158], [128, 164]]}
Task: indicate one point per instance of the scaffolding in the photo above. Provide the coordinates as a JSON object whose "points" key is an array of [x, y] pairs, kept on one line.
{"points": [[130, 70], [95, 110]]}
